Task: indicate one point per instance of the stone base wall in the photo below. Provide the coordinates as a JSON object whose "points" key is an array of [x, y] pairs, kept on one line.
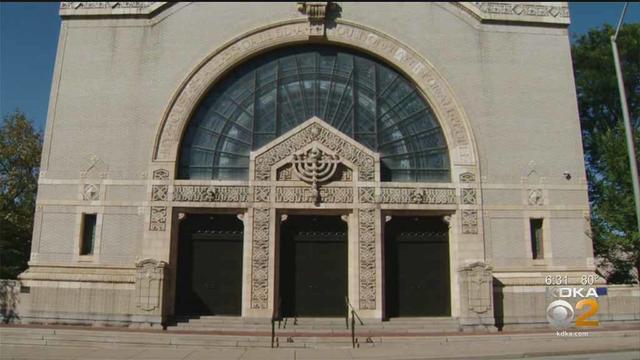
{"points": [[524, 306], [86, 296]]}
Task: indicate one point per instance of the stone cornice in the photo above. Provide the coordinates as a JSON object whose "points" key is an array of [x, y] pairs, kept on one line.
{"points": [[110, 8], [556, 13]]}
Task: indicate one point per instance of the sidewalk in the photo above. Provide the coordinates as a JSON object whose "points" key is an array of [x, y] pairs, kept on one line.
{"points": [[103, 344]]}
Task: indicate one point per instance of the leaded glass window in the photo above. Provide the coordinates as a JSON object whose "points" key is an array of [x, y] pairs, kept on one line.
{"points": [[355, 93]]}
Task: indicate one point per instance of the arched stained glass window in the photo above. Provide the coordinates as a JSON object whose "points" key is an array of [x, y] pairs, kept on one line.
{"points": [[355, 93]]}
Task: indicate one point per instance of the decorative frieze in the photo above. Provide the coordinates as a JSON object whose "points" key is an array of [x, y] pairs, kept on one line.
{"points": [[158, 219], [367, 258], [260, 259], [159, 193], [418, 196], [469, 221], [204, 193], [149, 283], [292, 194]]}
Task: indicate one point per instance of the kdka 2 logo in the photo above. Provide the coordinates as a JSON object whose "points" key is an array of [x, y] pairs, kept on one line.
{"points": [[560, 313]]}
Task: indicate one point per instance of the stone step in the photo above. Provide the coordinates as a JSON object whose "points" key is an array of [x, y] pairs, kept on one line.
{"points": [[123, 339], [329, 325]]}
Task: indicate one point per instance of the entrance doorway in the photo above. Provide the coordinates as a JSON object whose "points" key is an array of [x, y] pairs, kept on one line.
{"points": [[313, 266], [417, 267], [209, 276]]}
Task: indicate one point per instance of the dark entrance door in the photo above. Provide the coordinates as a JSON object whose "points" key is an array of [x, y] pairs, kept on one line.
{"points": [[313, 266], [417, 267], [209, 278]]}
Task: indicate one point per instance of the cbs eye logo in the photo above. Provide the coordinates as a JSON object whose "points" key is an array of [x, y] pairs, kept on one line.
{"points": [[560, 313]]}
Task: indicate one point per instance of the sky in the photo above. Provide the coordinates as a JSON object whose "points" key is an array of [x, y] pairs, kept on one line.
{"points": [[29, 38]]}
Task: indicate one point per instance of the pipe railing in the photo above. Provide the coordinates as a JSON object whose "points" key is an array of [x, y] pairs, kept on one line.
{"points": [[354, 316]]}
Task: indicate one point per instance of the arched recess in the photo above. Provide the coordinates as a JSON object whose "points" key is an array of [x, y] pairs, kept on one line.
{"points": [[460, 140]]}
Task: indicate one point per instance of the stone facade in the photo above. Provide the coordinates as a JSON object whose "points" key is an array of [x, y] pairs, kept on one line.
{"points": [[128, 76]]}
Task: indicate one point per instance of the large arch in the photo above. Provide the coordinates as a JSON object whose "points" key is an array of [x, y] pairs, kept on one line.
{"points": [[434, 88]]}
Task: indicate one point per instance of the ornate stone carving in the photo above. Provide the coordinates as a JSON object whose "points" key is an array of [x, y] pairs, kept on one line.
{"points": [[367, 195], [417, 196], [315, 132], [292, 194], [285, 173], [260, 259], [204, 193], [367, 258], [467, 177], [469, 222], [94, 168], [161, 174], [317, 11], [587, 224], [535, 197], [447, 220], [149, 283], [261, 193], [468, 196], [478, 281], [159, 192], [315, 167], [91, 192], [158, 221]]}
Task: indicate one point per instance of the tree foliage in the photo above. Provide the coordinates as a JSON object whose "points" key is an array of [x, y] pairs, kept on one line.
{"points": [[20, 148], [615, 235]]}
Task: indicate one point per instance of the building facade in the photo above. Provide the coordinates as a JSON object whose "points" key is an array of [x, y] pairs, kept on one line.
{"points": [[284, 159]]}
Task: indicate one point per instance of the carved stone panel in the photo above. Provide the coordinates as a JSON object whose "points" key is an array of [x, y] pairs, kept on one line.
{"points": [[260, 259], [468, 196], [91, 192], [159, 192], [158, 221], [478, 285], [367, 195], [161, 174], [261, 193], [535, 197], [467, 177], [469, 222], [367, 258], [149, 283]]}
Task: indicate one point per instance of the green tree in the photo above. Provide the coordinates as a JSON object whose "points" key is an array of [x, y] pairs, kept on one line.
{"points": [[20, 148], [615, 235]]}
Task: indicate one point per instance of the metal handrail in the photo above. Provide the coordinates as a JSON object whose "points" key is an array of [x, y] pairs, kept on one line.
{"points": [[354, 316]]}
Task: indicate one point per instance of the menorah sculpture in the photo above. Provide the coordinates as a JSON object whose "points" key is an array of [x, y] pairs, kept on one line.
{"points": [[315, 167]]}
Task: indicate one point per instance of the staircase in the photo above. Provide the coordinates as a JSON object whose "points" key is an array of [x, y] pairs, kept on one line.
{"points": [[314, 332]]}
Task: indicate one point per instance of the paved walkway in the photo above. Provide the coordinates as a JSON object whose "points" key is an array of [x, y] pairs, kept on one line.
{"points": [[618, 345]]}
